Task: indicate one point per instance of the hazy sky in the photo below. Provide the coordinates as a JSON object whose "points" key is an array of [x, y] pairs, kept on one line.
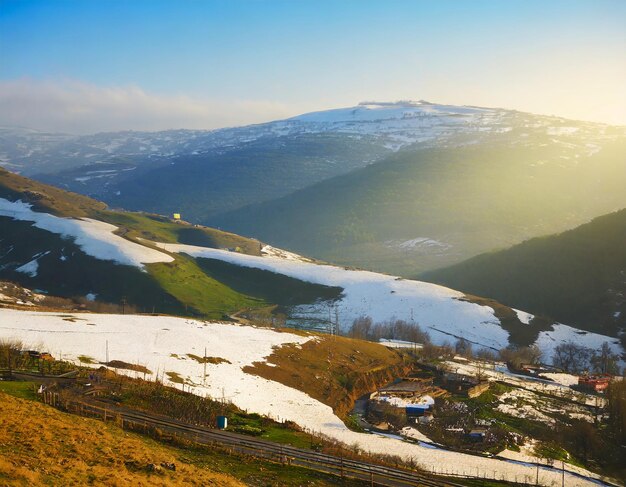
{"points": [[86, 66]]}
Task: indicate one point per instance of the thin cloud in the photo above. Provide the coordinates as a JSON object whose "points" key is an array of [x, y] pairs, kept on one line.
{"points": [[77, 107]]}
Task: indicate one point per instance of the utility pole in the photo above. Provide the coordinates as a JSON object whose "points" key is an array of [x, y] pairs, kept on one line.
{"points": [[537, 481], [204, 361], [107, 352], [330, 319]]}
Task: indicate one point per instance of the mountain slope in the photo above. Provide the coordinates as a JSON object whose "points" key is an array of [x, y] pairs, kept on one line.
{"points": [[492, 177], [387, 125], [142, 261], [445, 314], [74, 247], [577, 277], [203, 185], [426, 208]]}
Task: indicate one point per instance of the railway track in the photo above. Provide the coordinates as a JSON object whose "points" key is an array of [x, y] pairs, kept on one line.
{"points": [[369, 473]]}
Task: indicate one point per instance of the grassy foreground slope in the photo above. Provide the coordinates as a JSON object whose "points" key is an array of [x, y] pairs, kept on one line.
{"points": [[576, 277], [40, 445]]}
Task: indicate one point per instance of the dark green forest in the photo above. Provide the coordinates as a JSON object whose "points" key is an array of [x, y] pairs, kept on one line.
{"points": [[577, 277]]}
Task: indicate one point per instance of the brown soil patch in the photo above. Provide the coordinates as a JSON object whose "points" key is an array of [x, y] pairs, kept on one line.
{"points": [[120, 364], [333, 370], [208, 360]]}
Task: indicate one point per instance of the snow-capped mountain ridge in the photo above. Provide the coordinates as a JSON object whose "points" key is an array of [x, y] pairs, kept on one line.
{"points": [[370, 111], [392, 125]]}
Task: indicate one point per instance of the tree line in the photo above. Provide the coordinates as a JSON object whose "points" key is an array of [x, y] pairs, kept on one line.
{"points": [[570, 357]]}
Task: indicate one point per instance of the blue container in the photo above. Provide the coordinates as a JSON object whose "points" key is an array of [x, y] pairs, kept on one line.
{"points": [[415, 410], [222, 422]]}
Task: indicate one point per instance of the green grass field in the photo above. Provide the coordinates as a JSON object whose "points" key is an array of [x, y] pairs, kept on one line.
{"points": [[24, 390], [199, 293]]}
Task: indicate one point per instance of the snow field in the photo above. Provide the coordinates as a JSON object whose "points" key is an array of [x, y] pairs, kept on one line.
{"points": [[437, 309], [499, 372], [94, 237], [162, 343]]}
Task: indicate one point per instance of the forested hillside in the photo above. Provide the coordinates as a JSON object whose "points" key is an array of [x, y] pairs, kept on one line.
{"points": [[422, 209], [578, 276]]}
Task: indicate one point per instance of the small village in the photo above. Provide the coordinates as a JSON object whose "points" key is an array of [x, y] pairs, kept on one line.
{"points": [[484, 408]]}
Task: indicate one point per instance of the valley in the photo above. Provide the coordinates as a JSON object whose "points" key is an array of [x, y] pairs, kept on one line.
{"points": [[402, 187], [313, 243], [309, 379]]}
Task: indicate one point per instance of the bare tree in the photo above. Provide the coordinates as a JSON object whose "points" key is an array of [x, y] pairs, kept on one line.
{"points": [[463, 348], [616, 407], [361, 328], [486, 354], [605, 361], [572, 358], [365, 329], [518, 356]]}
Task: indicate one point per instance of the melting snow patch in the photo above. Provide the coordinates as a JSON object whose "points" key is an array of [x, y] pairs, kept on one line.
{"points": [[30, 268], [562, 130], [563, 379], [414, 434], [422, 244], [547, 341], [523, 316]]}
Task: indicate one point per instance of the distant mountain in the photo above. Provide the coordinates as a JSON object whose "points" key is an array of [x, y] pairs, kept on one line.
{"points": [[205, 173], [397, 187], [577, 277], [389, 125], [424, 208]]}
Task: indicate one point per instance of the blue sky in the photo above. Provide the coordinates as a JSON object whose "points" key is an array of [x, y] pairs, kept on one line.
{"points": [[214, 63]]}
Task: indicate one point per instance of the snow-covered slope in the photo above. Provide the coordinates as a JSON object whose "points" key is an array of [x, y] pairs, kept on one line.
{"points": [[439, 310], [378, 111], [162, 343], [403, 123], [94, 237]]}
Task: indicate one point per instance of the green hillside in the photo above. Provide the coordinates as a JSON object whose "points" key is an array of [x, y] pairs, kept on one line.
{"points": [[576, 277], [180, 287], [63, 203], [467, 199]]}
